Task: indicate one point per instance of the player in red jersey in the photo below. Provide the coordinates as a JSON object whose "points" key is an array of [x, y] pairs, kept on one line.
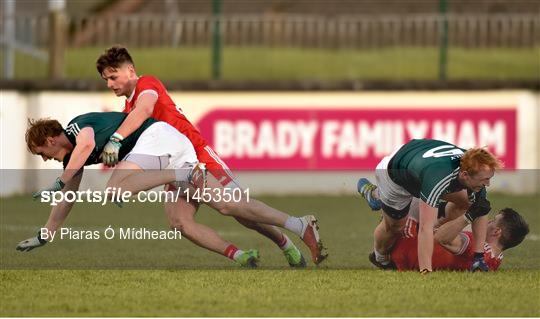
{"points": [[453, 249], [147, 97]]}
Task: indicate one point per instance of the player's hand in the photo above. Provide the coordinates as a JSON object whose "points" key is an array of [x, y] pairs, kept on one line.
{"points": [[479, 264], [55, 187], [109, 155], [479, 208], [31, 243]]}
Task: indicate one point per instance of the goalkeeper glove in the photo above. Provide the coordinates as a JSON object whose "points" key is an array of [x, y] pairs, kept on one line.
{"points": [[109, 155], [55, 187], [479, 264], [31, 243], [479, 208]]}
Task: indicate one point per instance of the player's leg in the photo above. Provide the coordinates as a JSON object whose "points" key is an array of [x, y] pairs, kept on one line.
{"points": [[157, 147], [395, 202], [256, 211], [388, 230], [181, 213], [369, 192], [217, 168], [127, 177], [181, 216], [292, 253]]}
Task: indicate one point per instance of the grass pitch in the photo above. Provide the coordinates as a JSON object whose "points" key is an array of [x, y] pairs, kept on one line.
{"points": [[176, 278]]}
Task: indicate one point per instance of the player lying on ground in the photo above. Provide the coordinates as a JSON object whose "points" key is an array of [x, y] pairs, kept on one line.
{"points": [[155, 145], [480, 207], [453, 248], [147, 96], [433, 171]]}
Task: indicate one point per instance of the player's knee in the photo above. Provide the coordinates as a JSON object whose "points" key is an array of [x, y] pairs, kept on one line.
{"points": [[225, 210], [177, 226], [185, 227], [112, 185], [229, 209], [395, 228], [179, 222]]}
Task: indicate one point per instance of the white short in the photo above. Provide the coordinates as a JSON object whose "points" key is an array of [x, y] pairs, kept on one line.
{"points": [[390, 193], [161, 139]]}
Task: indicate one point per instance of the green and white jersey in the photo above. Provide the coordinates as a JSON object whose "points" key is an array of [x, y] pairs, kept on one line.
{"points": [[427, 169], [104, 125]]}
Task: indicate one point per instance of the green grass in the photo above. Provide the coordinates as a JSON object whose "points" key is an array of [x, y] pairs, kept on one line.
{"points": [[260, 63], [176, 278], [237, 293]]}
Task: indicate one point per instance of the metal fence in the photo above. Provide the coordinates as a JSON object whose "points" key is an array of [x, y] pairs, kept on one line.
{"points": [[358, 31]]}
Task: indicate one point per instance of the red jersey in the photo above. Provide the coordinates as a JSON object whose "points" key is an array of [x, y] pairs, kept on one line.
{"points": [[405, 253], [165, 110]]}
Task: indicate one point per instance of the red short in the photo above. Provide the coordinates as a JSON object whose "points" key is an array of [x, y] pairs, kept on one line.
{"points": [[216, 167]]}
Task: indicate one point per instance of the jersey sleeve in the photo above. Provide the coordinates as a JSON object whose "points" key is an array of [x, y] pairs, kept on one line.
{"points": [[404, 254], [147, 85], [435, 180], [493, 262]]}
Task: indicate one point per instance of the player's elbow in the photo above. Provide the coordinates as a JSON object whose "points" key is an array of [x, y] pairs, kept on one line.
{"points": [[91, 144], [462, 206], [148, 111], [425, 229]]}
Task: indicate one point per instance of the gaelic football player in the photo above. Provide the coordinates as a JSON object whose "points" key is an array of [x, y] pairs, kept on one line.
{"points": [[153, 146], [433, 171], [147, 97], [453, 248]]}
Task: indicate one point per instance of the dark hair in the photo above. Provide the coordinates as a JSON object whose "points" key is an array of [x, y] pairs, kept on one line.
{"points": [[38, 131], [514, 228], [113, 57]]}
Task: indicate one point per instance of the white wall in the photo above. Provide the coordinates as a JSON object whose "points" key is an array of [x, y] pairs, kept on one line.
{"points": [[16, 107]]}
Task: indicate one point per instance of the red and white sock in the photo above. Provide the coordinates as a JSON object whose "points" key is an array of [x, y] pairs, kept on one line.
{"points": [[285, 242], [232, 252]]}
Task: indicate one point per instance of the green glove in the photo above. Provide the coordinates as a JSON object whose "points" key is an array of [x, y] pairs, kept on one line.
{"points": [[109, 155], [55, 187]]}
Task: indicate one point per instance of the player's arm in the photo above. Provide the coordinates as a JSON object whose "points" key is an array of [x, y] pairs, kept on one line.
{"points": [[480, 223], [448, 235], [60, 212], [57, 217], [85, 144], [143, 109], [458, 204], [479, 230], [428, 217], [435, 179]]}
